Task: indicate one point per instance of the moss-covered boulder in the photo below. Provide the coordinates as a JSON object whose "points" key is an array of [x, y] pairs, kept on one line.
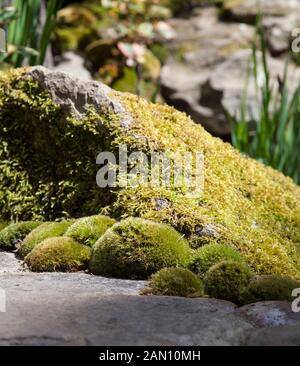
{"points": [[53, 127], [88, 230], [14, 233], [269, 288], [58, 254], [175, 282], [227, 281], [136, 248], [42, 232], [211, 254]]}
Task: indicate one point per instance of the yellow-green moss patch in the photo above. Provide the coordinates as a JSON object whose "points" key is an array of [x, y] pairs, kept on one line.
{"points": [[58, 254], [211, 254], [227, 280], [252, 207], [14, 233], [52, 155], [42, 232], [88, 230], [269, 288], [175, 282], [136, 248]]}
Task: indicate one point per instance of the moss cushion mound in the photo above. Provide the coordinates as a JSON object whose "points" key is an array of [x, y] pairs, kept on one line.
{"points": [[42, 232], [136, 248], [14, 233], [58, 254], [3, 225], [211, 254], [176, 282], [270, 288], [50, 137], [227, 280], [88, 230]]}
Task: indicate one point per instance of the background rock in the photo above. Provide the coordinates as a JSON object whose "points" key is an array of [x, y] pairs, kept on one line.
{"points": [[206, 72]]}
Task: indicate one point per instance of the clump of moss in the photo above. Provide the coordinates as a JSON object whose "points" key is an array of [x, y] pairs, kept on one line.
{"points": [[269, 288], [88, 230], [208, 255], [227, 280], [3, 225], [42, 232], [176, 282], [58, 254], [136, 248], [14, 233]]}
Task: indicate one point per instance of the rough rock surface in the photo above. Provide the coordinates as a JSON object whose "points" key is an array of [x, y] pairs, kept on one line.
{"points": [[278, 336], [75, 95], [270, 314]]}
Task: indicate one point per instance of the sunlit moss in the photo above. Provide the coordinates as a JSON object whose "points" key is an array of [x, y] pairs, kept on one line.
{"points": [[58, 254], [42, 232], [252, 208]]}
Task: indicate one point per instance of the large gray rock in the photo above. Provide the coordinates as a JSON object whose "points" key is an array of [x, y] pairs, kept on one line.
{"points": [[207, 92], [194, 55], [79, 309], [206, 73], [76, 95], [229, 78]]}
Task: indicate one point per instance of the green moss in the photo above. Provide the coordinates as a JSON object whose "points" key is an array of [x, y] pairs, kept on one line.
{"points": [[74, 38], [211, 254], [58, 254], [3, 225], [252, 207], [88, 230], [47, 156], [269, 288], [136, 248], [14, 233], [176, 282], [227, 280], [42, 232], [47, 160]]}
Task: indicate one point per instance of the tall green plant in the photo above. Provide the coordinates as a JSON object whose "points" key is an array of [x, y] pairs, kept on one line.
{"points": [[275, 137], [27, 37]]}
